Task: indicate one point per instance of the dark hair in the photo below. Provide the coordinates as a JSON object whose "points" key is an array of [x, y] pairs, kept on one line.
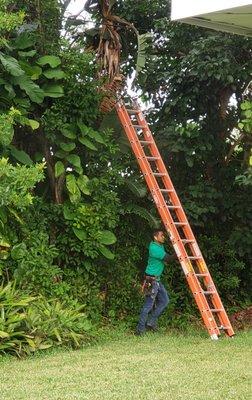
{"points": [[156, 231]]}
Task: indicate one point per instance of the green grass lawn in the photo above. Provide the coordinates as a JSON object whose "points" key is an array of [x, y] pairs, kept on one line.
{"points": [[155, 367]]}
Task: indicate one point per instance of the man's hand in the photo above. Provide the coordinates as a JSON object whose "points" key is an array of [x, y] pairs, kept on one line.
{"points": [[169, 258]]}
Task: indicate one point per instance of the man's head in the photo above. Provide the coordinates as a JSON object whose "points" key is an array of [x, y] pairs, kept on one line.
{"points": [[159, 236]]}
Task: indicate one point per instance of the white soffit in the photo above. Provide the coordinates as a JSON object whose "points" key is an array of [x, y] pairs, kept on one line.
{"points": [[233, 16]]}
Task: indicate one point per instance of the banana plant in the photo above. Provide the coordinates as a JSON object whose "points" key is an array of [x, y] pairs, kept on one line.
{"points": [[107, 38]]}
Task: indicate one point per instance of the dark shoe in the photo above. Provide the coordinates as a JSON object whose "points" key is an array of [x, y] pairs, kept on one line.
{"points": [[151, 328]]}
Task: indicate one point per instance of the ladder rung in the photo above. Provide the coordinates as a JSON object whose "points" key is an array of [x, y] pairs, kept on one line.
{"points": [[187, 241], [180, 223], [216, 309], [202, 274], [152, 158], [132, 111], [194, 257], [173, 207], [208, 292], [139, 126], [159, 174], [166, 190], [223, 327], [146, 142]]}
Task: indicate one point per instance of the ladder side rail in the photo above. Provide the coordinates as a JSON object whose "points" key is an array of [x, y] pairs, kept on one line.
{"points": [[222, 315], [202, 303]]}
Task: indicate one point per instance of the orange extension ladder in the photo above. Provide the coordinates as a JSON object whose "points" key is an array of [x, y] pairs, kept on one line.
{"points": [[174, 220]]}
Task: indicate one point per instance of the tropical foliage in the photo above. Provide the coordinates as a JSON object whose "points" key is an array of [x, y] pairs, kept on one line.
{"points": [[75, 215]]}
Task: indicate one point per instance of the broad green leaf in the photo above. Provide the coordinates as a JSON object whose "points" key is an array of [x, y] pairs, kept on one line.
{"points": [[75, 198], [53, 61], [67, 146], [31, 343], [189, 161], [143, 213], [33, 124], [230, 78], [138, 188], [54, 73], [18, 251], [106, 252], [33, 71], [53, 90], [57, 334], [80, 233], [4, 254], [61, 154], [143, 43], [22, 102], [96, 136], [6, 130], [10, 90], [23, 41], [71, 184], [107, 237], [20, 156], [16, 215], [4, 243], [59, 168], [4, 335], [83, 128], [11, 65], [68, 214], [82, 183], [27, 54], [246, 105], [35, 93], [43, 346], [74, 160], [74, 191], [248, 114], [68, 133], [87, 143], [79, 170]]}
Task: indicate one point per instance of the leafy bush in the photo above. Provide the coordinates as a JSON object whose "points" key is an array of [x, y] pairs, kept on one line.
{"points": [[53, 322], [28, 324], [13, 335], [34, 268], [19, 180]]}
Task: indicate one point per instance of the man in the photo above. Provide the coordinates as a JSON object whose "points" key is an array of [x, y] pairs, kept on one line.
{"points": [[155, 292]]}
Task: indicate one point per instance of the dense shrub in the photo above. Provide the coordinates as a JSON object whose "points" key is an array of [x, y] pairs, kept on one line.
{"points": [[28, 324]]}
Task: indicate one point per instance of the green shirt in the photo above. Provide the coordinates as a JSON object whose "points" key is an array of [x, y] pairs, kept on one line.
{"points": [[155, 264]]}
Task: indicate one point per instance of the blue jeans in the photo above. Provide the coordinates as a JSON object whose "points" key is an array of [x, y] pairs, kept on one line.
{"points": [[155, 305]]}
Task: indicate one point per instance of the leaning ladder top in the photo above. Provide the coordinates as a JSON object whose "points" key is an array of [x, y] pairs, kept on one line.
{"points": [[174, 220]]}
